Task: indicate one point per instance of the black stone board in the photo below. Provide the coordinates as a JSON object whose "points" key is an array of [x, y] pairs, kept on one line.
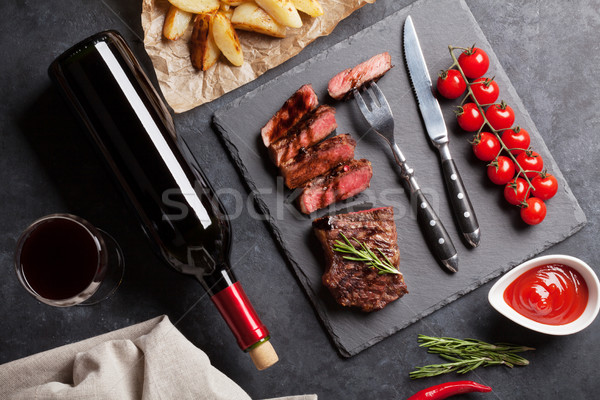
{"points": [[506, 241]]}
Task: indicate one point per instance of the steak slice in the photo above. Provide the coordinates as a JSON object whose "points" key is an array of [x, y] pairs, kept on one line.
{"points": [[353, 283], [296, 107], [344, 181], [317, 160], [374, 68], [313, 128]]}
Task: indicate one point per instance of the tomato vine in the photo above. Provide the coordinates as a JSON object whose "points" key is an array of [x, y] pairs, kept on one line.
{"points": [[473, 115]]}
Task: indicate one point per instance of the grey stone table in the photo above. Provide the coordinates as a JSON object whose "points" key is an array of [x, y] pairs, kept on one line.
{"points": [[549, 50]]}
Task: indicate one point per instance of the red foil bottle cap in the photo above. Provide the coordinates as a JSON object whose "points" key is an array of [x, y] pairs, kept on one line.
{"points": [[236, 309]]}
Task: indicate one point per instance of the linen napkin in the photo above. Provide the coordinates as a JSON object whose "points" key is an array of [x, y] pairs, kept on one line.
{"points": [[150, 360]]}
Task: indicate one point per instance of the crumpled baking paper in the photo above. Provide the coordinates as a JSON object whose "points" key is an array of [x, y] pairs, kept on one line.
{"points": [[184, 87]]}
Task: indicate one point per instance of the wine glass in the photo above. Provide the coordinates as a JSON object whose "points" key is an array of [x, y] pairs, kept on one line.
{"points": [[63, 260]]}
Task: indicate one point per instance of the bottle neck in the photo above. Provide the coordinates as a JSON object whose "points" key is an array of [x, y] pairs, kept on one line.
{"points": [[236, 309], [220, 279]]}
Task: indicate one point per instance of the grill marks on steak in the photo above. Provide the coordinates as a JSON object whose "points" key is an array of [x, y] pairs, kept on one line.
{"points": [[374, 68], [344, 181], [298, 105], [294, 138], [312, 128], [353, 283], [317, 160]]}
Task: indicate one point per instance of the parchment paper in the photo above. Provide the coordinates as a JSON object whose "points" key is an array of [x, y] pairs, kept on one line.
{"points": [[184, 87]]}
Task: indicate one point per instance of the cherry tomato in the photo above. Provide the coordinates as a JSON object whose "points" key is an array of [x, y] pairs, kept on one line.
{"points": [[469, 118], [451, 84], [500, 116], [545, 186], [517, 140], [485, 90], [534, 212], [516, 191], [474, 62], [486, 146], [531, 162], [501, 171]]}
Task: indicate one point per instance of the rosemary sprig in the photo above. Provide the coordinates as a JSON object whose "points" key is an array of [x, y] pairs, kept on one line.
{"points": [[365, 255], [466, 355]]}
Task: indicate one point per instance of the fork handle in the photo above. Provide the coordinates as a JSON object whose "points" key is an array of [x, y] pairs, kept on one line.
{"points": [[461, 204], [435, 234]]}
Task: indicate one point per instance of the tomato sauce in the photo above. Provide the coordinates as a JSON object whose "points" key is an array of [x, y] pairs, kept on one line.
{"points": [[552, 294]]}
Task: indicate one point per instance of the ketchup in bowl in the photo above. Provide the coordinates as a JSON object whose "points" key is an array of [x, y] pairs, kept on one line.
{"points": [[553, 294]]}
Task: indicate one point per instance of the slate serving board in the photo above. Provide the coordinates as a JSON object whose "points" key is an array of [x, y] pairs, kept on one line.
{"points": [[438, 24]]}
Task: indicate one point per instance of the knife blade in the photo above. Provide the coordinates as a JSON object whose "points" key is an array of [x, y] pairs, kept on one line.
{"points": [[435, 126]]}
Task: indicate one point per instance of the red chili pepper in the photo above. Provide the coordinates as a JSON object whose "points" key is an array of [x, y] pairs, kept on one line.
{"points": [[445, 390]]}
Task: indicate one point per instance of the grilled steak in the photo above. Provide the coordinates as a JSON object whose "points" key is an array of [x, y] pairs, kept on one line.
{"points": [[353, 283], [317, 160], [342, 84], [344, 181], [313, 128], [298, 105]]}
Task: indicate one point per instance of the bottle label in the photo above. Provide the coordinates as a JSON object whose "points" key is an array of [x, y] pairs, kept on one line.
{"points": [[236, 309]]}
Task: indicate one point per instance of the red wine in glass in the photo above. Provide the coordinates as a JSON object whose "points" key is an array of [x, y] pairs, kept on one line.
{"points": [[63, 260]]}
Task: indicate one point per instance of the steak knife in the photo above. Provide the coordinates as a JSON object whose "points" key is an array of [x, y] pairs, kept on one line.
{"points": [[438, 134]]}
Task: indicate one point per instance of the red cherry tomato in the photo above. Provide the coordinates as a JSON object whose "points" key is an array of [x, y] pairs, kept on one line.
{"points": [[474, 62], [531, 162], [500, 116], [534, 212], [451, 84], [545, 186], [469, 118], [501, 171], [516, 191], [517, 140], [485, 90], [486, 146]]}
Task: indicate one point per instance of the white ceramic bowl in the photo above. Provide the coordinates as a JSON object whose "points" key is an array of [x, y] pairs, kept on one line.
{"points": [[496, 295]]}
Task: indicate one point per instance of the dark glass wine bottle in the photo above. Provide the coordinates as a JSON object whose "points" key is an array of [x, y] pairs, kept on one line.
{"points": [[178, 210]]}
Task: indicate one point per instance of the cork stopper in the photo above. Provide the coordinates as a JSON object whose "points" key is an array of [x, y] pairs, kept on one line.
{"points": [[263, 355]]}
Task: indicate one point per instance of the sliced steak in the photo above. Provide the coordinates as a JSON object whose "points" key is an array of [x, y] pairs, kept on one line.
{"points": [[374, 68], [344, 181], [317, 160], [313, 128], [296, 107], [353, 283]]}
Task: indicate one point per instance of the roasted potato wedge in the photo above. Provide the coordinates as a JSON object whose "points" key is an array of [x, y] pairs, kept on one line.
{"points": [[203, 49], [227, 39], [282, 11], [250, 17], [310, 7], [196, 6], [228, 12], [233, 2], [176, 23]]}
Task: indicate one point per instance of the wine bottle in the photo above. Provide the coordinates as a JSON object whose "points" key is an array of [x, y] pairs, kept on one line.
{"points": [[108, 90]]}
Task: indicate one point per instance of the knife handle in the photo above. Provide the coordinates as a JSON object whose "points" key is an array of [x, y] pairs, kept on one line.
{"points": [[435, 234], [461, 204]]}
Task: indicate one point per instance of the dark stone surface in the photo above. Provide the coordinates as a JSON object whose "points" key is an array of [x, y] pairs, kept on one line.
{"points": [[430, 287], [548, 49]]}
